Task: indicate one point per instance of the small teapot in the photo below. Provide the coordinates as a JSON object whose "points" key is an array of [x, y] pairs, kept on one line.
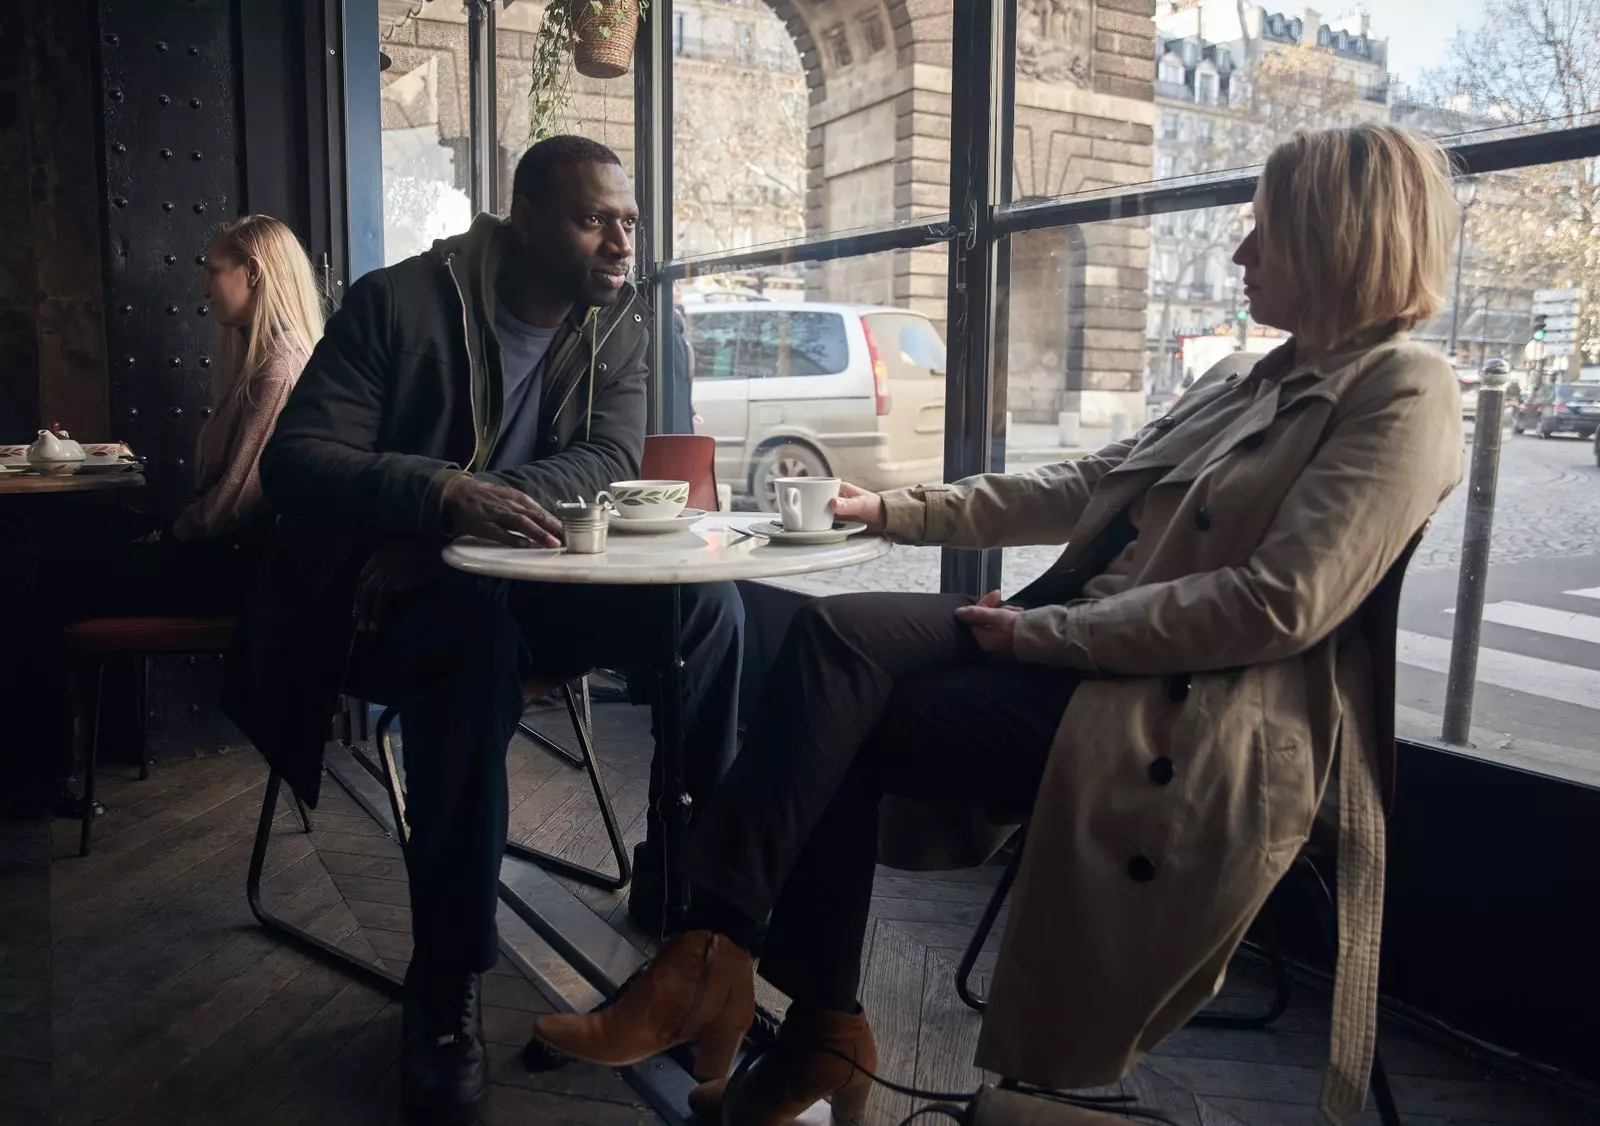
{"points": [[55, 452]]}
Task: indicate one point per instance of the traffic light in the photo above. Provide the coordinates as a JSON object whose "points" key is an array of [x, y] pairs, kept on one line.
{"points": [[1538, 326], [1241, 314]]}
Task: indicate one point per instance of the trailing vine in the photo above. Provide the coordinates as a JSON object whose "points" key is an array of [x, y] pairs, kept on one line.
{"points": [[550, 69]]}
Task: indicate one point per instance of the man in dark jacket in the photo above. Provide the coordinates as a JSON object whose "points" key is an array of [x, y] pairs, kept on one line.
{"points": [[464, 392]]}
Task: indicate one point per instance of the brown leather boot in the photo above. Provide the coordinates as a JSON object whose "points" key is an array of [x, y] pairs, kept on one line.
{"points": [[699, 988], [798, 1069]]}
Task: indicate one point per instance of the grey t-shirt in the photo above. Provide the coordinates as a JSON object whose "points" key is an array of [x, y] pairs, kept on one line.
{"points": [[523, 348]]}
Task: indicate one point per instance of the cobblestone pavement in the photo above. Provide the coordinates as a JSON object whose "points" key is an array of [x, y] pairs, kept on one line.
{"points": [[1548, 506]]}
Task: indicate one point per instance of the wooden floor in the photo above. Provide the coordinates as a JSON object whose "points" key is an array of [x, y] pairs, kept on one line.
{"points": [[167, 1005]]}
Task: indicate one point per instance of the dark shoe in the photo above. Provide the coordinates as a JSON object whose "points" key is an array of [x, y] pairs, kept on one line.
{"points": [[647, 894], [818, 1054], [699, 989], [444, 1075]]}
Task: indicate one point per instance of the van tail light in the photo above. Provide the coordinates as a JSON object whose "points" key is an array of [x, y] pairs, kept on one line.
{"points": [[880, 372], [1561, 408]]}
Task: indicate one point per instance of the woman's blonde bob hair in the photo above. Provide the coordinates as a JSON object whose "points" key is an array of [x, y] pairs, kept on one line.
{"points": [[288, 308], [1362, 219]]}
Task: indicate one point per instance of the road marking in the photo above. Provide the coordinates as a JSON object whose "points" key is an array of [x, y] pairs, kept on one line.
{"points": [[1541, 619], [1549, 680], [1589, 592]]}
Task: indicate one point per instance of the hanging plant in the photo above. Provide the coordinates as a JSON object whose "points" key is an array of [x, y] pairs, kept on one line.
{"points": [[595, 37]]}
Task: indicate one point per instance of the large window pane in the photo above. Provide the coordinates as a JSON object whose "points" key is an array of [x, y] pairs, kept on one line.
{"points": [[1528, 248], [837, 119], [423, 103], [832, 368], [599, 109], [1105, 98]]}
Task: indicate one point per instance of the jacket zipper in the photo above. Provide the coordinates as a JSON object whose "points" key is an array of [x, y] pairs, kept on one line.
{"points": [[472, 374], [601, 343]]}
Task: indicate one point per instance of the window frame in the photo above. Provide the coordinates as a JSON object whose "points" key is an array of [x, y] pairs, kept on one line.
{"points": [[982, 121]]}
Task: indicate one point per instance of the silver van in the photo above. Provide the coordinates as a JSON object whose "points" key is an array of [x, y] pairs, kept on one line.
{"points": [[800, 388]]}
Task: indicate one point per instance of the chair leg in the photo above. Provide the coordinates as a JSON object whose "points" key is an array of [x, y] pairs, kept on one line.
{"points": [[368, 972], [981, 935], [1280, 988], [89, 758], [578, 709], [391, 779], [544, 741], [305, 814], [141, 695]]}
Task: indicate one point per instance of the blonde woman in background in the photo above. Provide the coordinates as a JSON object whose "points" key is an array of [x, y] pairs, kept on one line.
{"points": [[264, 297]]}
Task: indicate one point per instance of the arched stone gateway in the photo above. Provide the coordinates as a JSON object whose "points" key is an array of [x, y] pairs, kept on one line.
{"points": [[879, 80]]}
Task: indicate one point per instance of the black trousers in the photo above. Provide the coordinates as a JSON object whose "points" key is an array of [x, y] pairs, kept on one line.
{"points": [[871, 694], [452, 659]]}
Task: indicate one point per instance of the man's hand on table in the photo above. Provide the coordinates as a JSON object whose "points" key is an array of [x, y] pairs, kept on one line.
{"points": [[993, 626], [499, 513], [394, 570], [858, 504]]}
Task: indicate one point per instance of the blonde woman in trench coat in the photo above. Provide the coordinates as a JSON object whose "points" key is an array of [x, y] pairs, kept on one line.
{"points": [[1175, 699]]}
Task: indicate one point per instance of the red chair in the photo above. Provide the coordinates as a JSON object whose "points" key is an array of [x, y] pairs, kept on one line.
{"points": [[683, 457]]}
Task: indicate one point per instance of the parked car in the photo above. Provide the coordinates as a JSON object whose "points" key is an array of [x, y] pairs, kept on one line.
{"points": [[806, 389], [1560, 408]]}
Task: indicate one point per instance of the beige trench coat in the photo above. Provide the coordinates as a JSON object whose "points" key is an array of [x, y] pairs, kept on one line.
{"points": [[1274, 504]]}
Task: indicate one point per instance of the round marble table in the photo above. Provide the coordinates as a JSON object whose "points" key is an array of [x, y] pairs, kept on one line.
{"points": [[717, 549]]}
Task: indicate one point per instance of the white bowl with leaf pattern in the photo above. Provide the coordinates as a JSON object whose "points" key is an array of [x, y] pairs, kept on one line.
{"points": [[649, 500]]}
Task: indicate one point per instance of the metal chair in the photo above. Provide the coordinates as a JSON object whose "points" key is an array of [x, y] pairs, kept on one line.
{"points": [[92, 642]]}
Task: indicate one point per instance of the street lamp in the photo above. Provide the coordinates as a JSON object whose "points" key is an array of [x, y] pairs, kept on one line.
{"points": [[1465, 189]]}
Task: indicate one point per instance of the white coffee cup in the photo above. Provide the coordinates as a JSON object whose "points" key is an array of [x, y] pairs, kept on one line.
{"points": [[806, 503], [649, 500]]}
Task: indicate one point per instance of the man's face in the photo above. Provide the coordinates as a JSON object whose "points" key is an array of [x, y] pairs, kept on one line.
{"points": [[579, 238]]}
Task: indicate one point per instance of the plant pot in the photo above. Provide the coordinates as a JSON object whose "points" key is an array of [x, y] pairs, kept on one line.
{"points": [[596, 54]]}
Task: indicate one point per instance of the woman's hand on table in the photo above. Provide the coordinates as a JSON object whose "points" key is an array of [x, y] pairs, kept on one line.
{"points": [[994, 626], [858, 504]]}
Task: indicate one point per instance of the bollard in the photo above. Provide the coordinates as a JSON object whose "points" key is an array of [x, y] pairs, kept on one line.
{"points": [[1119, 426], [1067, 429], [1482, 476]]}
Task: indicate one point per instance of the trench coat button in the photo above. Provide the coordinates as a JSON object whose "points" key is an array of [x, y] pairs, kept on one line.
{"points": [[637, 317], [1253, 441], [1165, 422], [1177, 689], [600, 367], [1202, 519], [1141, 869], [1161, 770]]}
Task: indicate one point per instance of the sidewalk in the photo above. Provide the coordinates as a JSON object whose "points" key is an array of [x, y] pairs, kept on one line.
{"points": [[1038, 443]]}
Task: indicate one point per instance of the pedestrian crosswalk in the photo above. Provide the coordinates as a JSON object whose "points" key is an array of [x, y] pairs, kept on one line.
{"points": [[1561, 681]]}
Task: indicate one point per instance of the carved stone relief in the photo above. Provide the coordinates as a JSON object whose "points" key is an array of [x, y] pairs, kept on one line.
{"points": [[1055, 40]]}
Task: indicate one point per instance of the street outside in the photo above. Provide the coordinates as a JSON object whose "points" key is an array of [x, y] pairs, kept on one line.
{"points": [[1538, 691]]}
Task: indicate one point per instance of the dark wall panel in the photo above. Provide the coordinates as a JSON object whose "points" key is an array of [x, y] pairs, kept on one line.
{"points": [[172, 173], [52, 337]]}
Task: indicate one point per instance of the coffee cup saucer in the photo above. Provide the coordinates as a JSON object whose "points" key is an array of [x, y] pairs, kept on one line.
{"points": [[775, 532], [657, 525]]}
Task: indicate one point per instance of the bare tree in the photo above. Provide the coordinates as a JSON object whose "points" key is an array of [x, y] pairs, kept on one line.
{"points": [[739, 158], [1532, 61]]}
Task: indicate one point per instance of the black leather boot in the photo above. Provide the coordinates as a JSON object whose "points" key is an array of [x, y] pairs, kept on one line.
{"points": [[444, 1076]]}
